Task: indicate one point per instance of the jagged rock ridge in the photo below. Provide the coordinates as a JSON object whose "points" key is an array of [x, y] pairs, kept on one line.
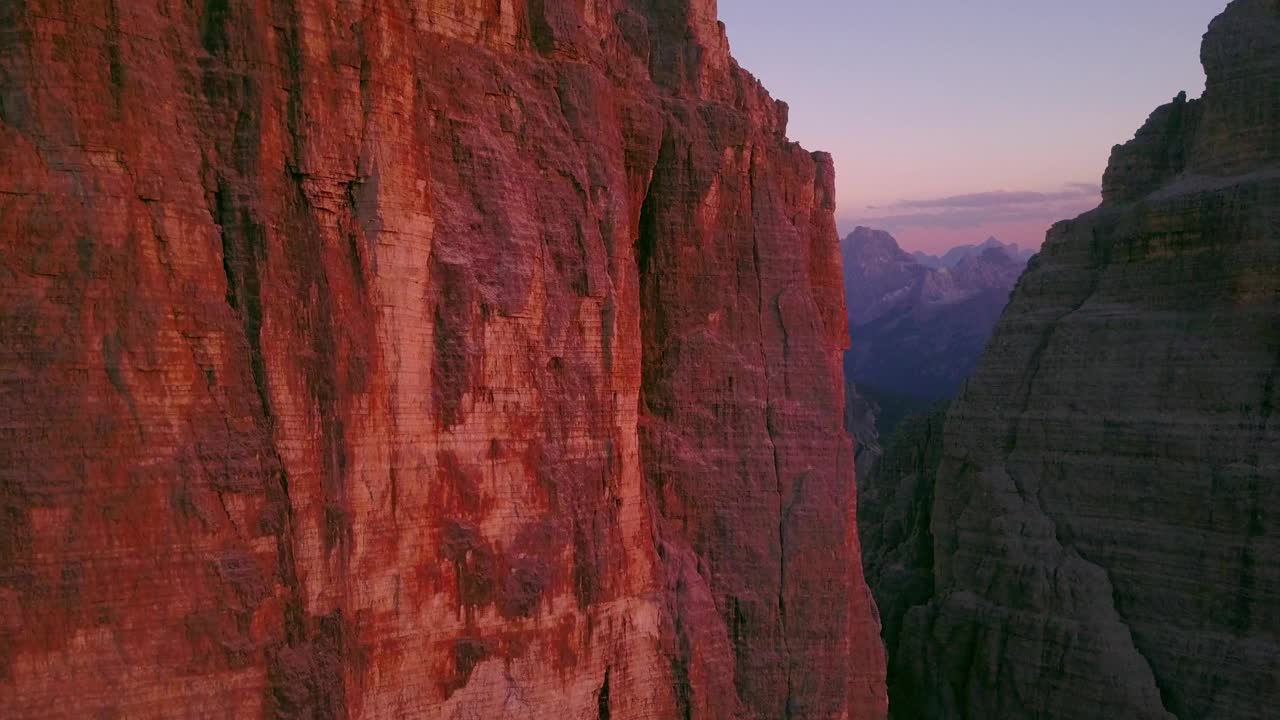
{"points": [[918, 331], [952, 257], [437, 359], [1098, 530]]}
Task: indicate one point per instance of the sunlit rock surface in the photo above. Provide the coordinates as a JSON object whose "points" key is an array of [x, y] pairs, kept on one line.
{"points": [[433, 359]]}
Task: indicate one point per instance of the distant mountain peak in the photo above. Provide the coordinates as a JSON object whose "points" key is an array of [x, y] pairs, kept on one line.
{"points": [[955, 255], [992, 254], [880, 277], [867, 247], [870, 237]]}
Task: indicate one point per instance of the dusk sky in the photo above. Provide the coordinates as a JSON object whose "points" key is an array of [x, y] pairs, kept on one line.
{"points": [[953, 121]]}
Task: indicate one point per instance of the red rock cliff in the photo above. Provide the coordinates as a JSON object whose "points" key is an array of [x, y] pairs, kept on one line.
{"points": [[417, 359]]}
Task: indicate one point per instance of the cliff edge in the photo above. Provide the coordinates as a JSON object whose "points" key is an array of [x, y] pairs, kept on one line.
{"points": [[447, 359]]}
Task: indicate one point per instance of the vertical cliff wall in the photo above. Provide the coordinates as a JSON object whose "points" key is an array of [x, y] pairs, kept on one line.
{"points": [[1103, 530], [417, 359]]}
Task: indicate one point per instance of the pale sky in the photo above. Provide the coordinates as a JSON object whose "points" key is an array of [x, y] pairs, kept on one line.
{"points": [[953, 120]]}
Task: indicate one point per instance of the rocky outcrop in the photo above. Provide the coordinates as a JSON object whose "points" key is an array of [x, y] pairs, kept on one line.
{"points": [[860, 415], [1104, 506], [918, 331], [444, 359]]}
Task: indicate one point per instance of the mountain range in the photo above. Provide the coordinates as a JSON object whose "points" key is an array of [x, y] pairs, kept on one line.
{"points": [[917, 329], [953, 256]]}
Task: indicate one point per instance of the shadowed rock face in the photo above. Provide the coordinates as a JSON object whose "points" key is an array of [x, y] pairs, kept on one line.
{"points": [[895, 498], [1102, 526], [436, 359]]}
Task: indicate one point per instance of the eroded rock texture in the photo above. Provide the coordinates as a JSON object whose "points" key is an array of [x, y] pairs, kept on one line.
{"points": [[417, 359], [1104, 520]]}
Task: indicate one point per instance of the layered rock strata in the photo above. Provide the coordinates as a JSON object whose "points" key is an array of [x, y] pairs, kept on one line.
{"points": [[435, 359], [1102, 528]]}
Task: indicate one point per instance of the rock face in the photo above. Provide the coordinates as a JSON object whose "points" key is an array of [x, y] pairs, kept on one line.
{"points": [[438, 359], [1103, 527], [860, 415], [895, 501], [918, 331]]}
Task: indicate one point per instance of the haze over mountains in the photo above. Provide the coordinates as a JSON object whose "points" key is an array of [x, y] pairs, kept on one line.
{"points": [[918, 329], [953, 256]]}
